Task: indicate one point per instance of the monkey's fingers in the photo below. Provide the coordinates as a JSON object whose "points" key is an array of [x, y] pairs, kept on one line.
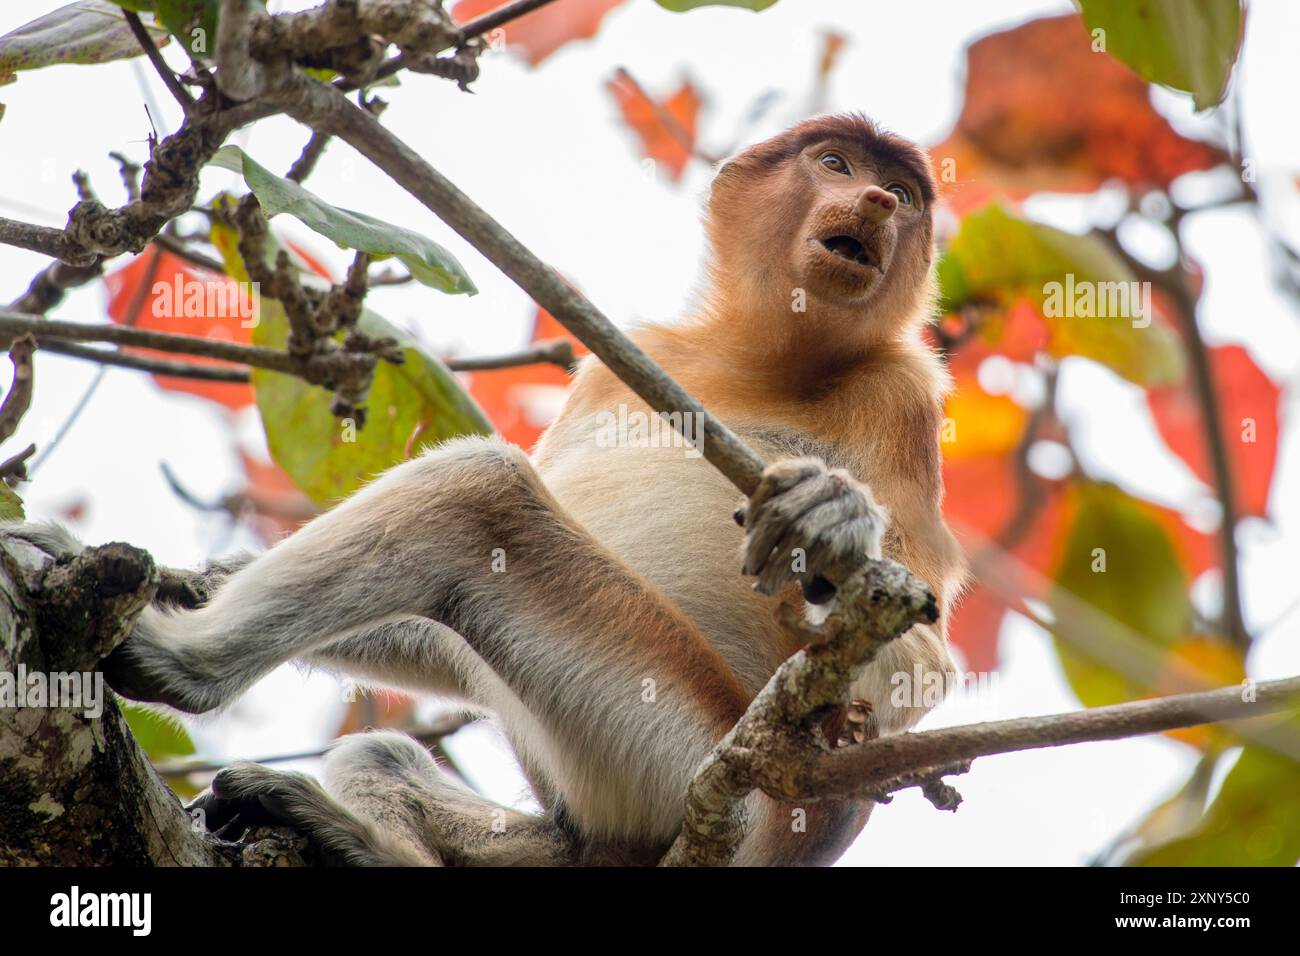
{"points": [[836, 529], [768, 520], [781, 476]]}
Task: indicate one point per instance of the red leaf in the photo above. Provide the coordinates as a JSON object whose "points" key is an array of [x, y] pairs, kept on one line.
{"points": [[974, 628], [538, 34], [1248, 416], [520, 402], [277, 507], [1025, 127], [165, 306], [666, 129]]}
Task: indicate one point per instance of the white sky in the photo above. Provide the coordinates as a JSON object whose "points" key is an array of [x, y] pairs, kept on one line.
{"points": [[545, 151]]}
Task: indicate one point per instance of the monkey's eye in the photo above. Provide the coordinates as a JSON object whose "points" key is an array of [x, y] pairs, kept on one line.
{"points": [[835, 163], [902, 192]]}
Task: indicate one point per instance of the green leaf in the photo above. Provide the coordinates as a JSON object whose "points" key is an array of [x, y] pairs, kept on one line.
{"points": [[998, 257], [1252, 822], [11, 506], [1188, 45], [416, 404], [192, 22], [1119, 561], [429, 262], [160, 737], [681, 6], [91, 31], [157, 735], [138, 6]]}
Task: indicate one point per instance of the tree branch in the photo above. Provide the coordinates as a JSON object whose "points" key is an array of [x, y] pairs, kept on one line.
{"points": [[75, 788], [19, 397], [557, 352], [780, 727], [499, 17], [1174, 282], [178, 92], [46, 240], [144, 363], [13, 324], [851, 773]]}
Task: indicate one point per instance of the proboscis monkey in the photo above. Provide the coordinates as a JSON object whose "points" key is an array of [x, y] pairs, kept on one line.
{"points": [[588, 596]]}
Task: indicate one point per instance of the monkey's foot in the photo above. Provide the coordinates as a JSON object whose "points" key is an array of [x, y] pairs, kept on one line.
{"points": [[140, 670], [257, 795]]}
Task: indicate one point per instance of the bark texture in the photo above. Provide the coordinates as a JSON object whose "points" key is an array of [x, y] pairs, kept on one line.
{"points": [[77, 790]]}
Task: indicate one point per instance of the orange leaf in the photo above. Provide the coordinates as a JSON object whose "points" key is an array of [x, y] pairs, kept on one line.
{"points": [[979, 424], [521, 402], [1248, 417], [538, 34], [974, 628], [1024, 127], [667, 128], [184, 300], [278, 508]]}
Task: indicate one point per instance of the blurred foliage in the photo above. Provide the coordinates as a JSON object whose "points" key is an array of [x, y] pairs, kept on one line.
{"points": [[1058, 104]]}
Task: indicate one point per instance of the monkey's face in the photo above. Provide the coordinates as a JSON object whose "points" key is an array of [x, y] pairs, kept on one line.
{"points": [[834, 210], [864, 223]]}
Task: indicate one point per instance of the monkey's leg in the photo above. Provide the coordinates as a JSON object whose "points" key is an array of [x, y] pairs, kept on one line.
{"points": [[386, 803], [626, 694]]}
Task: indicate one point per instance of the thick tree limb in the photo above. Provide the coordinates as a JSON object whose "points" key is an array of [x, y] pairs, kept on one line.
{"points": [[43, 239], [76, 789], [873, 606]]}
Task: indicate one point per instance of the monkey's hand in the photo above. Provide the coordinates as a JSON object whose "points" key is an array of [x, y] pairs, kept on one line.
{"points": [[804, 520]]}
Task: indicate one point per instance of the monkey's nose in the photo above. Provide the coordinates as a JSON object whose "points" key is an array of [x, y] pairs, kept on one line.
{"points": [[876, 205]]}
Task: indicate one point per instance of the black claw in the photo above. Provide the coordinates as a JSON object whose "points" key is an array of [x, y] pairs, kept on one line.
{"points": [[739, 516]]}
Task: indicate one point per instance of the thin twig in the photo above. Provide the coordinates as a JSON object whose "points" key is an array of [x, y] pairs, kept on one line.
{"points": [[144, 363], [310, 156], [558, 352], [554, 351], [46, 240], [178, 247], [16, 465], [1174, 282], [13, 324], [130, 172], [178, 92], [19, 397], [429, 737], [500, 17]]}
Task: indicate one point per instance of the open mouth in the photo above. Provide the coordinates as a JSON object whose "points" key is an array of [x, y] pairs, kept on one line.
{"points": [[846, 247]]}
